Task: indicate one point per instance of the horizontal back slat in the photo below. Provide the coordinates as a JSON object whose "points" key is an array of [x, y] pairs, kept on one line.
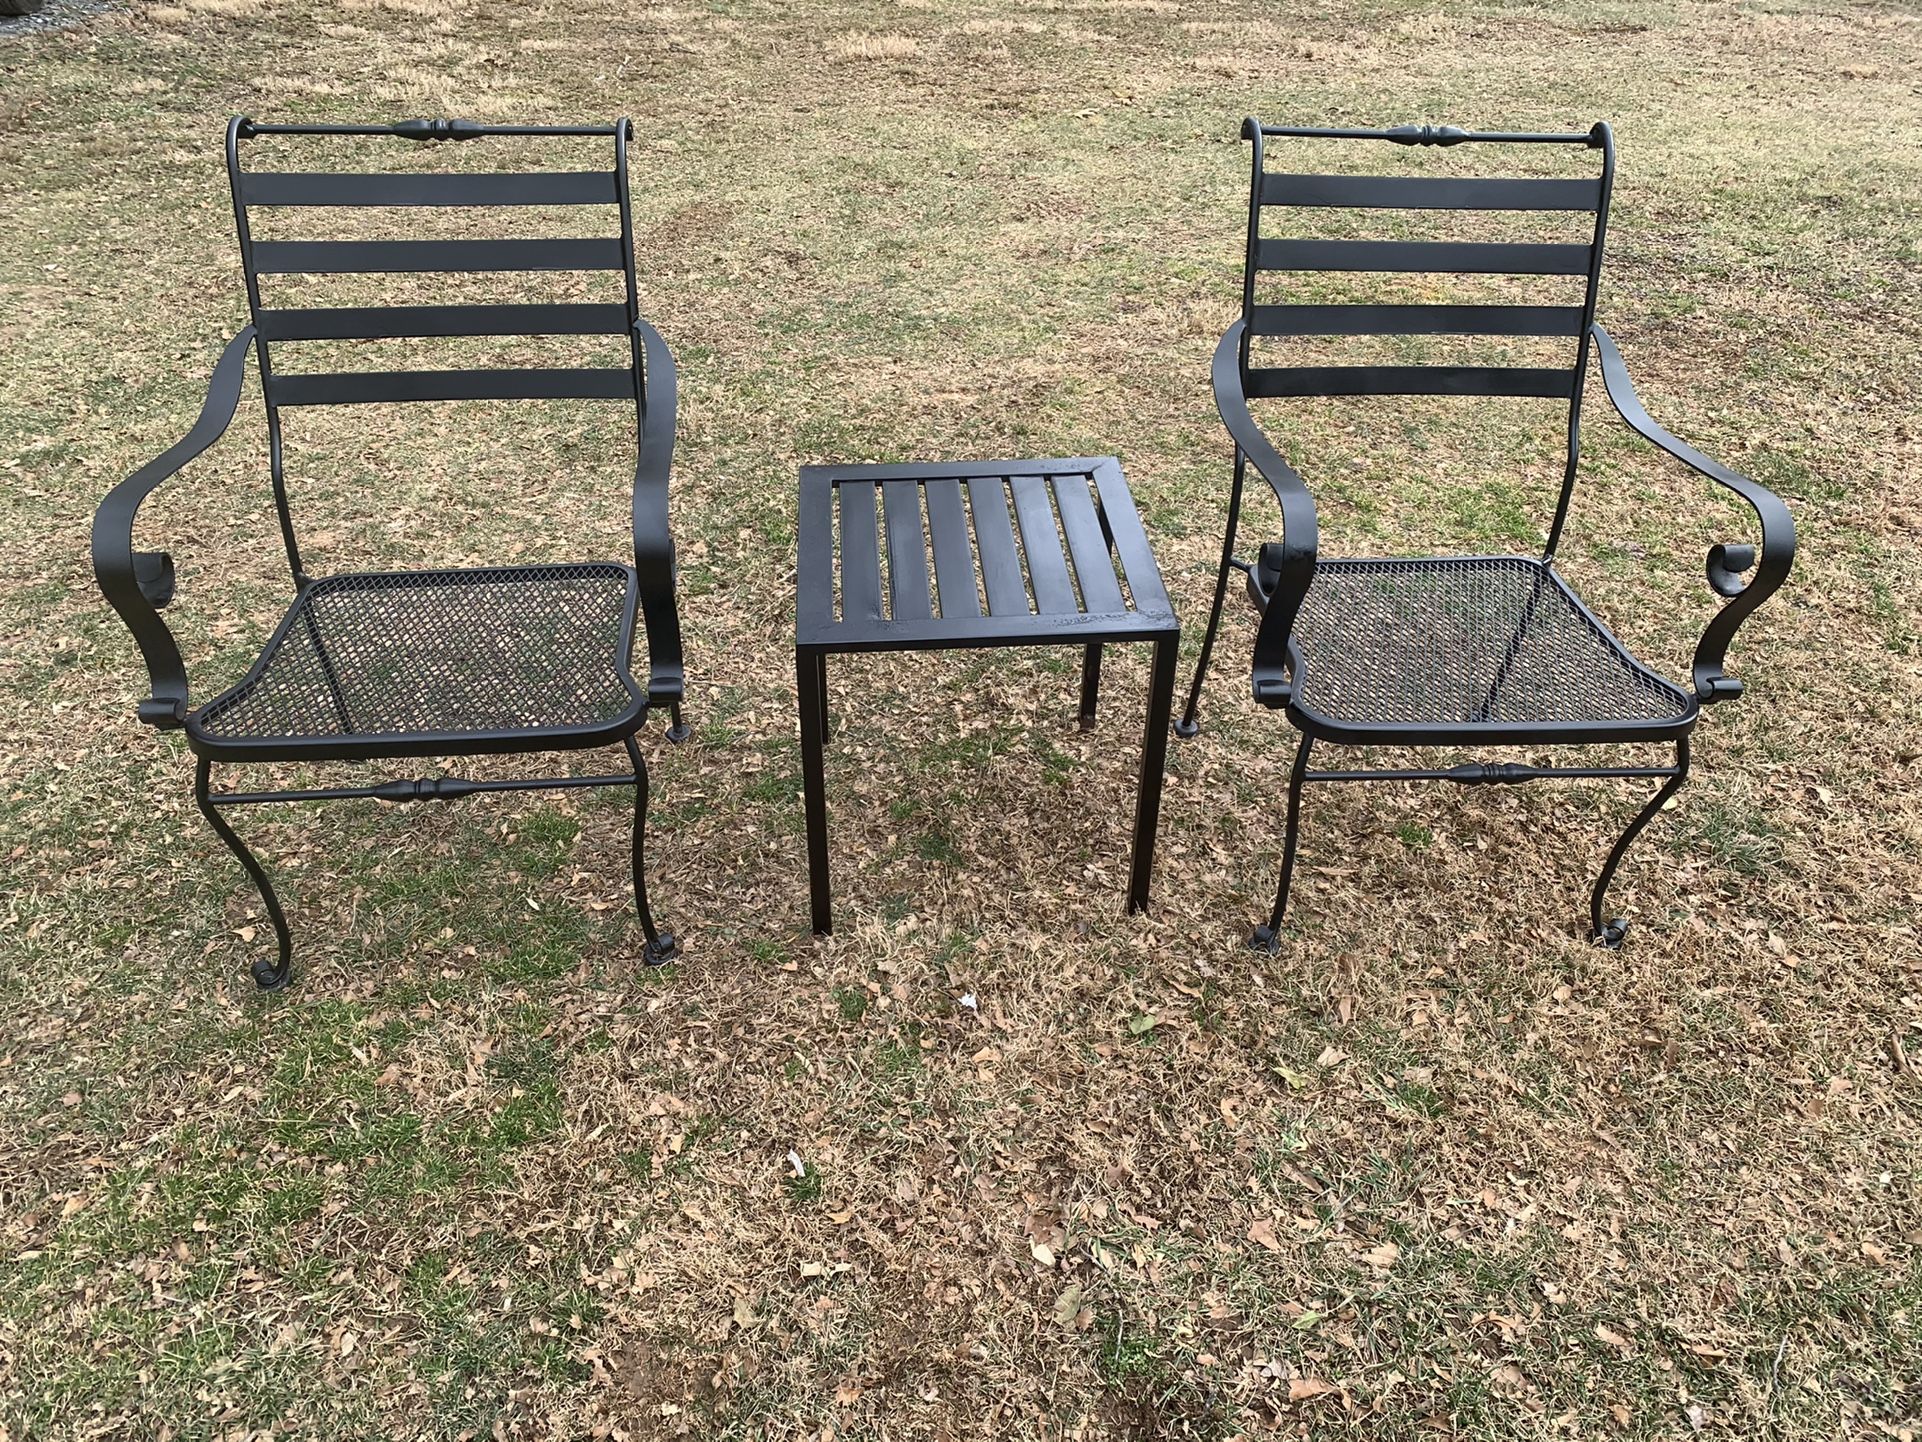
{"points": [[1457, 256], [363, 387], [1543, 320], [577, 187], [1413, 192], [349, 257], [405, 322], [1270, 382]]}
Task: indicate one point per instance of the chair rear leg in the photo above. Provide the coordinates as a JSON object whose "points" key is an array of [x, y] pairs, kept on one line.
{"points": [[1268, 938], [1189, 726], [1090, 684], [661, 947], [268, 975], [677, 730], [1609, 934]]}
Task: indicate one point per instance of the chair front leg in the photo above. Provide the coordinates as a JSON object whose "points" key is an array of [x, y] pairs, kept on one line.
{"points": [[1268, 938], [661, 947], [268, 975], [1189, 726], [1609, 934]]}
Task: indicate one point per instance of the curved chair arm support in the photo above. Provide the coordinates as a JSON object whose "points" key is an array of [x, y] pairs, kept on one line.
{"points": [[1277, 665], [1726, 562], [139, 583], [653, 544]]}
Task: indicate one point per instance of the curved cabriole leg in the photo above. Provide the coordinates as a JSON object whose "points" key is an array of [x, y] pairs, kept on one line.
{"points": [[1609, 934], [1268, 938], [268, 976], [1189, 726], [661, 947]]}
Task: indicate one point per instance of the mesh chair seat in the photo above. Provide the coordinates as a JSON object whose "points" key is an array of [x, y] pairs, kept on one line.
{"points": [[1466, 644], [453, 660]]}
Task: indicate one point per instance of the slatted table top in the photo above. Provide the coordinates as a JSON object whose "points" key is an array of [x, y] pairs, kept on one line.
{"points": [[974, 553]]}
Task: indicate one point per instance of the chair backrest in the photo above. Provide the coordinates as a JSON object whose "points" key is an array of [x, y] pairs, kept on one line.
{"points": [[485, 192], [1292, 201]]}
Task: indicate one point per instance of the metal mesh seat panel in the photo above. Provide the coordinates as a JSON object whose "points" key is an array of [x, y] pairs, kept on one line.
{"points": [[1465, 642], [456, 652]]}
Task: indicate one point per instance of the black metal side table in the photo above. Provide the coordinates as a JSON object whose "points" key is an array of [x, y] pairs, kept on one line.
{"points": [[1001, 577]]}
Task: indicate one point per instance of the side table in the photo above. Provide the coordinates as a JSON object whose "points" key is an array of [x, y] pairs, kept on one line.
{"points": [[1002, 576]]}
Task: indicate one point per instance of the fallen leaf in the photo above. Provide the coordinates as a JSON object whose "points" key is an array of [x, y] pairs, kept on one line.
{"points": [[1262, 1233], [1302, 1388], [1384, 1257], [1610, 1335], [1068, 1305]]}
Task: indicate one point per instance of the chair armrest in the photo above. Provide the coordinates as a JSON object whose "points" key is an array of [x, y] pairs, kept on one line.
{"points": [[653, 543], [1726, 562], [1277, 664], [138, 583]]}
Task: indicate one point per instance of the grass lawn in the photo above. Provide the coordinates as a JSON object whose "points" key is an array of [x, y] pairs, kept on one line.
{"points": [[1438, 1169]]}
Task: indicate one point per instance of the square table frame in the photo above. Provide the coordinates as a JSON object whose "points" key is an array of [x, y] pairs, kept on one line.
{"points": [[1017, 562]]}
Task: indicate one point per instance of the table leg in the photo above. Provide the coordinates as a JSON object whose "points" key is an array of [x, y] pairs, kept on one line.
{"points": [[1090, 683], [1154, 762], [811, 684]]}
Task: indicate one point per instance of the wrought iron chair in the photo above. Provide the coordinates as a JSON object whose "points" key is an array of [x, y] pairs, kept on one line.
{"points": [[1452, 651], [490, 660]]}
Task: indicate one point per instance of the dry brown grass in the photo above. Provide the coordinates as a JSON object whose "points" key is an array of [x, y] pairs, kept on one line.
{"points": [[1439, 1169], [862, 46]]}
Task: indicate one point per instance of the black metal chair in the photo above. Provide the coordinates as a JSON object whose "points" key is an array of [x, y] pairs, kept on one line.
{"points": [[1454, 651], [491, 660]]}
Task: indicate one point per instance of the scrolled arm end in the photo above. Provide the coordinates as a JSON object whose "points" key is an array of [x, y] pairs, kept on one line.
{"points": [[138, 584], [1285, 569], [653, 542], [1728, 565]]}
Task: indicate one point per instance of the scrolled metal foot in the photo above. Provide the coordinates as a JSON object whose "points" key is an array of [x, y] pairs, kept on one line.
{"points": [[268, 975], [1266, 939], [661, 950]]}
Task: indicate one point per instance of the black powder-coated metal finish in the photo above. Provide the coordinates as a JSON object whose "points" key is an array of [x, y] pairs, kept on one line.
{"points": [[486, 660], [1453, 650], [1024, 553]]}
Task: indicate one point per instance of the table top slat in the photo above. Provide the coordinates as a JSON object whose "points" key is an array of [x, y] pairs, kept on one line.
{"points": [[1087, 544], [1047, 565], [953, 557], [860, 554], [908, 597], [1131, 546], [994, 536], [814, 569]]}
